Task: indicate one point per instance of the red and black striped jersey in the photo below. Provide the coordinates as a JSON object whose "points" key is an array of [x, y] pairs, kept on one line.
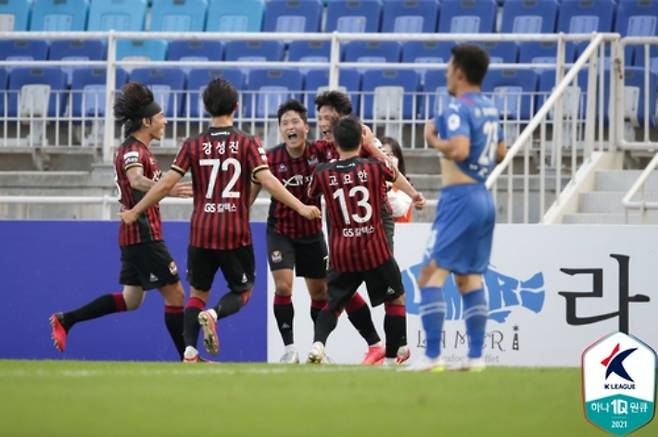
{"points": [[295, 175], [327, 152], [223, 162], [352, 190], [148, 227]]}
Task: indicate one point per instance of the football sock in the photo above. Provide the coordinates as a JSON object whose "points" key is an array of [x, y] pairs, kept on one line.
{"points": [[432, 313], [284, 314], [395, 327], [316, 307], [229, 304], [173, 316], [359, 315], [476, 311], [191, 326], [326, 323], [101, 306]]}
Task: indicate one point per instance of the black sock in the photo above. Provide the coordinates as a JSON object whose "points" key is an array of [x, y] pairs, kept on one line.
{"points": [[316, 307], [359, 315], [284, 314], [102, 306], [174, 320], [229, 304], [326, 323], [395, 327], [191, 326]]}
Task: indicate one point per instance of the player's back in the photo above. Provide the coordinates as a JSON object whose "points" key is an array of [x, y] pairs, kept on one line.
{"points": [[222, 161]]}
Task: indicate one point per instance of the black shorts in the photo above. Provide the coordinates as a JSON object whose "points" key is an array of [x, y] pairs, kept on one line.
{"points": [[388, 223], [384, 285], [308, 256], [238, 267], [147, 265]]}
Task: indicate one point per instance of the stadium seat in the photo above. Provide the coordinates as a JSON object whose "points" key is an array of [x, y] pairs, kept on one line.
{"points": [[317, 81], [545, 52], [436, 97], [427, 51], [574, 96], [639, 57], [14, 15], [76, 50], [88, 90], [119, 15], [636, 18], [141, 50], [500, 52], [198, 79], [23, 50], [634, 96], [268, 89], [37, 92], [254, 51], [389, 94], [167, 84], [59, 15], [3, 90], [585, 16], [293, 16], [513, 92], [194, 50], [309, 51], [410, 16], [178, 15], [529, 16], [468, 16], [235, 16], [353, 16], [372, 51]]}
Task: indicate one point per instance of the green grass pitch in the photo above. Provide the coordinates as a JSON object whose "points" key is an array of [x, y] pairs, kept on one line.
{"points": [[74, 398]]}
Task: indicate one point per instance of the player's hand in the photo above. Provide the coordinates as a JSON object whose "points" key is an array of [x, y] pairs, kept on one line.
{"points": [[310, 212], [367, 136], [128, 216], [182, 189], [419, 200], [430, 131]]}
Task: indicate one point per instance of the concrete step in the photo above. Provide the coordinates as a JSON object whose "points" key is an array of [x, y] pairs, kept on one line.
{"points": [[607, 201], [622, 180], [65, 179], [634, 218]]}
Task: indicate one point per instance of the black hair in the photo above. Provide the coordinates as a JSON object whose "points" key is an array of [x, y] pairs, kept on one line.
{"points": [[337, 100], [293, 105], [397, 152], [129, 105], [347, 133], [472, 60], [220, 98]]}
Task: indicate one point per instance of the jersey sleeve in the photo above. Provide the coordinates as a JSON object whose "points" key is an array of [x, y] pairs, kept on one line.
{"points": [[314, 185], [324, 151], [453, 122], [389, 172], [256, 158], [134, 157], [182, 162]]}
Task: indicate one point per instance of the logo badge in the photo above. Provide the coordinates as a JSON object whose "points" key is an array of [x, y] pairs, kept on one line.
{"points": [[619, 377], [172, 268], [276, 256]]}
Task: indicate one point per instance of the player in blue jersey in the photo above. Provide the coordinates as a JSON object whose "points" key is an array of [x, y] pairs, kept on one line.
{"points": [[470, 138]]}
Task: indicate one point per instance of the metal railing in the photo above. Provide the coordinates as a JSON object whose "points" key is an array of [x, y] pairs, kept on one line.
{"points": [[638, 185]]}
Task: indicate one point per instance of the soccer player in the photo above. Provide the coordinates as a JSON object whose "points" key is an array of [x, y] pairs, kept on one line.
{"points": [[299, 244], [223, 161], [470, 138], [359, 251], [145, 260]]}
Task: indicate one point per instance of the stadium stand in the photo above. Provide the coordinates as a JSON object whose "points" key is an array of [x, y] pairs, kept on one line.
{"points": [[389, 94], [167, 85], [14, 15], [309, 51], [235, 16], [410, 16], [36, 92], [436, 94], [353, 16], [293, 16], [317, 81], [76, 50], [59, 15], [141, 50], [3, 89], [544, 52], [513, 91], [119, 15], [634, 96], [269, 88], [636, 18], [467, 16], [88, 90], [23, 50], [195, 50], [254, 51], [372, 51], [529, 16], [500, 51], [197, 80], [178, 15]]}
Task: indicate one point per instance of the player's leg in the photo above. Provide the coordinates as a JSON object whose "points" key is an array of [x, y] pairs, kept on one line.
{"points": [[174, 297], [311, 264], [476, 311], [282, 261]]}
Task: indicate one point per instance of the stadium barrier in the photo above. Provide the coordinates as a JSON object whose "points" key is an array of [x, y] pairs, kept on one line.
{"points": [[643, 205]]}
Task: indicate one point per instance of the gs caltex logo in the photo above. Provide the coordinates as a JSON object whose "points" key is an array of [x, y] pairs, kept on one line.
{"points": [[619, 383]]}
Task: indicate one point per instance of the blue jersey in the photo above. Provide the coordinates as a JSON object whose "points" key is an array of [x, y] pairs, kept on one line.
{"points": [[475, 117]]}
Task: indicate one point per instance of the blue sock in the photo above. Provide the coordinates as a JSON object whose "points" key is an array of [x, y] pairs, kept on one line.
{"points": [[476, 311], [432, 313]]}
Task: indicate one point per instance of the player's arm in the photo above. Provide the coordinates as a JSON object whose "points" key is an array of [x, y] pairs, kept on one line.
{"points": [[255, 189], [152, 197], [140, 182], [279, 192], [403, 184], [372, 145], [456, 148]]}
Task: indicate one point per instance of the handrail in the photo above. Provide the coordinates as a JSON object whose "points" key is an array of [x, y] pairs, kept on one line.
{"points": [[642, 205]]}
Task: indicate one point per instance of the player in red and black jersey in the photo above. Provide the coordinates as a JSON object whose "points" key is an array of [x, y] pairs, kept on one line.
{"points": [[146, 262], [223, 161], [296, 243], [359, 251]]}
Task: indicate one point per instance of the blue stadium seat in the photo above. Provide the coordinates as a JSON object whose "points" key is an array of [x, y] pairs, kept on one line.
{"points": [[235, 16], [389, 93], [529, 16], [151, 49], [59, 15], [436, 96], [372, 51], [500, 52], [353, 16], [468, 16], [23, 50], [198, 79], [167, 84], [309, 51], [575, 99], [410, 16], [22, 77], [639, 57], [76, 50], [427, 51], [545, 52], [3, 90], [119, 15], [178, 15], [293, 16], [636, 18], [195, 50], [513, 92], [634, 95], [268, 89], [254, 51], [349, 80], [14, 15], [88, 90], [586, 16]]}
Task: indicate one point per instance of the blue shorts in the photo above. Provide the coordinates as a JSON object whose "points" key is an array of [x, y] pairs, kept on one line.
{"points": [[462, 231]]}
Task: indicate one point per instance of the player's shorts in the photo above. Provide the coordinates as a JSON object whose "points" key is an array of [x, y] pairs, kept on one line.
{"points": [[238, 267], [462, 232], [384, 284], [308, 256], [147, 265], [388, 223]]}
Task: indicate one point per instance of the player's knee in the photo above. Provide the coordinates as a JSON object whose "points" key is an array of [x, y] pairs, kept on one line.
{"points": [[133, 299], [246, 295], [283, 288]]}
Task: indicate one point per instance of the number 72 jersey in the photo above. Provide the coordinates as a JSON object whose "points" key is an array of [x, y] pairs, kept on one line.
{"points": [[476, 118]]}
